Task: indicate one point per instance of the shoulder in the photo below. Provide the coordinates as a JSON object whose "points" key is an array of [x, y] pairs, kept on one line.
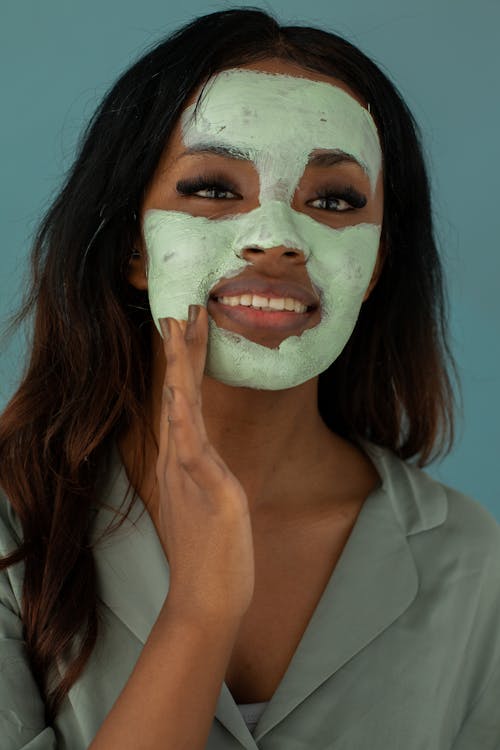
{"points": [[455, 545], [469, 538], [454, 537], [422, 503], [440, 522], [462, 524], [468, 521]]}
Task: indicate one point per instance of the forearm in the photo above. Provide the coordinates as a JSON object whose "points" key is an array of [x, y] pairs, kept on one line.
{"points": [[169, 700]]}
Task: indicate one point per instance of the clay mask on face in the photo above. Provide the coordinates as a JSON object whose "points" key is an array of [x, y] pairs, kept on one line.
{"points": [[278, 120]]}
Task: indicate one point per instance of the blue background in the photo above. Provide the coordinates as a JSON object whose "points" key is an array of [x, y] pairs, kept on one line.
{"points": [[58, 58]]}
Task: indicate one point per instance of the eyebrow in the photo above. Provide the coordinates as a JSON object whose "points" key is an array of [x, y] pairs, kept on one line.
{"points": [[330, 158], [230, 152], [323, 159]]}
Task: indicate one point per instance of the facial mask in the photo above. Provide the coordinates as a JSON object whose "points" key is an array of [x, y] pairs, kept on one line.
{"points": [[279, 120]]}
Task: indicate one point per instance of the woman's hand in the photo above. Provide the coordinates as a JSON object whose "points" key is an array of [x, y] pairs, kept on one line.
{"points": [[203, 510]]}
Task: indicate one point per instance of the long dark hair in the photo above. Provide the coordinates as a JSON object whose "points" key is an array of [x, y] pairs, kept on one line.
{"points": [[89, 369]]}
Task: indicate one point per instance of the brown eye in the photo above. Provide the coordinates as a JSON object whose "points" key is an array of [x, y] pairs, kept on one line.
{"points": [[346, 199], [335, 204], [212, 189]]}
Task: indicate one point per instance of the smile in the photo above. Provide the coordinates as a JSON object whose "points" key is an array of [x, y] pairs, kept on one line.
{"points": [[252, 317]]}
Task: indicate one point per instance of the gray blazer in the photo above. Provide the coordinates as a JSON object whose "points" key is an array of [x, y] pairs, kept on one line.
{"points": [[402, 651]]}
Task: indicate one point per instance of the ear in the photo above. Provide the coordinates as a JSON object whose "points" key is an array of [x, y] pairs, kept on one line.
{"points": [[136, 270], [377, 270]]}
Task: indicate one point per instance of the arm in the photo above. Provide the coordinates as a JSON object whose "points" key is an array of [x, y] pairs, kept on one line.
{"points": [[169, 701], [204, 524]]}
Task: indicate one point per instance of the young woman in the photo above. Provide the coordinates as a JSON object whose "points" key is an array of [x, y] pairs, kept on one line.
{"points": [[285, 574]]}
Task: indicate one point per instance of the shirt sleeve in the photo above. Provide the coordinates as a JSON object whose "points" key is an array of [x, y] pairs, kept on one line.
{"points": [[22, 712], [481, 726]]}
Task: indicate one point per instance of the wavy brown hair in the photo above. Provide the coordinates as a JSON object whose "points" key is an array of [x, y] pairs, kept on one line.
{"points": [[88, 372]]}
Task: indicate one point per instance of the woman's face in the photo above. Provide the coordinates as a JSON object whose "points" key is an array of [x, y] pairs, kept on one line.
{"points": [[300, 176]]}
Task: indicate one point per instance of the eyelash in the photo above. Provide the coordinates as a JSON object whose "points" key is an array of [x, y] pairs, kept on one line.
{"points": [[348, 194], [195, 184], [187, 187]]}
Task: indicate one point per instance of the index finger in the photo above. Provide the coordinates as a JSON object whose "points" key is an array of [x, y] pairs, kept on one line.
{"points": [[179, 375], [196, 336]]}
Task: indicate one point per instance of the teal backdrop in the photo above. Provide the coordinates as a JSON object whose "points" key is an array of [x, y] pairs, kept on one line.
{"points": [[58, 57]]}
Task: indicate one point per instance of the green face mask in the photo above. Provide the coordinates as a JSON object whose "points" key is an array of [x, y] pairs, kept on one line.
{"points": [[278, 120]]}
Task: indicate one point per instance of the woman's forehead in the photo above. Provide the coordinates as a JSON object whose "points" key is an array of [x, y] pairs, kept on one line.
{"points": [[288, 68], [276, 115], [245, 91]]}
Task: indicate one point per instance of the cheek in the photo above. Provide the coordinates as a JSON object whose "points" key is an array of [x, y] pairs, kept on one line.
{"points": [[178, 244], [185, 255], [341, 266]]}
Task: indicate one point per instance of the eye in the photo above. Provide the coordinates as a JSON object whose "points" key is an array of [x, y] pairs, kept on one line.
{"points": [[215, 193], [334, 204], [347, 199], [214, 188]]}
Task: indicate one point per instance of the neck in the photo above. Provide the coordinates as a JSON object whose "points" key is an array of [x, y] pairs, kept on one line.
{"points": [[266, 438], [274, 442]]}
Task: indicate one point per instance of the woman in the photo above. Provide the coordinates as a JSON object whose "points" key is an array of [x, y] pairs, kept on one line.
{"points": [[283, 576]]}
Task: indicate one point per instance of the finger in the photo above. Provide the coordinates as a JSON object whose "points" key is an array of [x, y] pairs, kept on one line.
{"points": [[196, 339], [163, 443], [165, 446], [179, 376], [194, 455], [179, 370]]}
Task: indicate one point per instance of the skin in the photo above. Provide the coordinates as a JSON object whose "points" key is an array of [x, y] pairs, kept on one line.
{"points": [[289, 462]]}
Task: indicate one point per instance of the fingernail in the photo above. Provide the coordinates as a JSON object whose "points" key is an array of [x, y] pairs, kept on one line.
{"points": [[165, 328], [170, 394], [193, 313]]}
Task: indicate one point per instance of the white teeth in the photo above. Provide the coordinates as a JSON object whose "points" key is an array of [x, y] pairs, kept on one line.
{"points": [[265, 303], [260, 301]]}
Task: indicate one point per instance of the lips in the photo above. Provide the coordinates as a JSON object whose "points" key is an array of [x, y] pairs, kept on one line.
{"points": [[253, 319], [273, 288]]}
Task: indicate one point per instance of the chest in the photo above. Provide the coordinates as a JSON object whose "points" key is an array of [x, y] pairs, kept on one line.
{"points": [[291, 574]]}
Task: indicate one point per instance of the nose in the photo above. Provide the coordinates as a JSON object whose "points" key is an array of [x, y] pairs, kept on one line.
{"points": [[273, 230], [273, 254]]}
